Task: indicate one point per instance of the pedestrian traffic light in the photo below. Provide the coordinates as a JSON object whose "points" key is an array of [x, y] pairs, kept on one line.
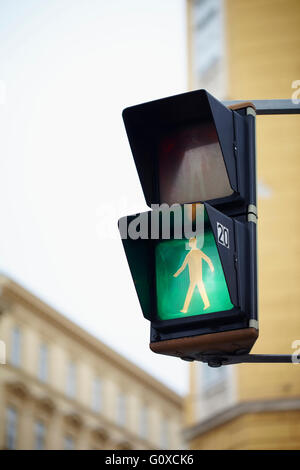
{"points": [[193, 256]]}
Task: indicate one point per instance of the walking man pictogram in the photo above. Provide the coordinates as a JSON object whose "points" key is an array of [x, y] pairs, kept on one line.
{"points": [[194, 261]]}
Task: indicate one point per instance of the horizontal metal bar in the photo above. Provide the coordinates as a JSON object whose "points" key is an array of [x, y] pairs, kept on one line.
{"points": [[265, 107], [214, 360]]}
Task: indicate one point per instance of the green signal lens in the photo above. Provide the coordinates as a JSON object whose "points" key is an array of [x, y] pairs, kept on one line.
{"points": [[190, 278]]}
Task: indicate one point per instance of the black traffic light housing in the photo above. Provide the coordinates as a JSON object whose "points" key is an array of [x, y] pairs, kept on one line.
{"points": [[189, 115], [191, 149]]}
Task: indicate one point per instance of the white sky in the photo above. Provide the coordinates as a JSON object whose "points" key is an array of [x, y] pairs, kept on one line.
{"points": [[67, 70]]}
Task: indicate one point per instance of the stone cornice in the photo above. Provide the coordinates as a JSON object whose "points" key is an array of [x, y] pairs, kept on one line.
{"points": [[239, 409]]}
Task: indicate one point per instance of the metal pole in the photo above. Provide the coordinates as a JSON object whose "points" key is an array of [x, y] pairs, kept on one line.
{"points": [[267, 107], [214, 360]]}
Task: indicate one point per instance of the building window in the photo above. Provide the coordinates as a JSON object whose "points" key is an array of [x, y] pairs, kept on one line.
{"points": [[71, 379], [164, 433], [213, 379], [39, 435], [208, 46], [69, 443], [2, 352], [121, 409], [97, 395], [143, 424], [215, 390], [43, 363], [11, 428], [16, 346]]}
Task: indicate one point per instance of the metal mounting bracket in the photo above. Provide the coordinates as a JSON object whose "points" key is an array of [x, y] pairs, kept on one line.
{"points": [[265, 107], [218, 360]]}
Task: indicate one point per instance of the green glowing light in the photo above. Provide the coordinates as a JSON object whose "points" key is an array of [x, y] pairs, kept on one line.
{"points": [[198, 287]]}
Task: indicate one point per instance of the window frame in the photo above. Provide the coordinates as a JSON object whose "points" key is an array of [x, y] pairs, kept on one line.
{"points": [[16, 346], [71, 379], [43, 363], [11, 424], [40, 431]]}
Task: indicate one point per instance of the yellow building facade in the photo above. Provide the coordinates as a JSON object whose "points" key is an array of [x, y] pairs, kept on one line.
{"points": [[253, 47], [61, 388]]}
